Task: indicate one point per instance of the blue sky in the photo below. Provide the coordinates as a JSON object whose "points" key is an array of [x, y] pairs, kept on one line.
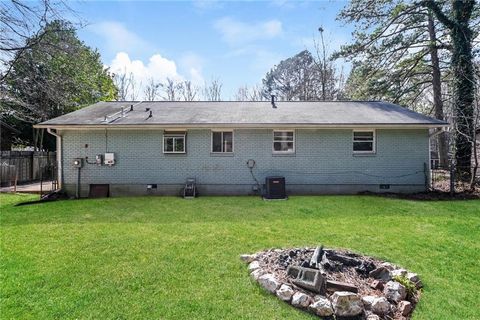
{"points": [[236, 42]]}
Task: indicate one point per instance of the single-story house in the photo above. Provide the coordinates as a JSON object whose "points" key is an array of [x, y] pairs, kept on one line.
{"points": [[230, 147]]}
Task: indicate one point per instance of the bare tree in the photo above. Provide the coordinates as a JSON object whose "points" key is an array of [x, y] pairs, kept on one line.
{"points": [[22, 27], [244, 93], [437, 88], [213, 91], [329, 79], [188, 90], [171, 89], [151, 90], [303, 77], [322, 62], [46, 81], [256, 93], [134, 87], [124, 84]]}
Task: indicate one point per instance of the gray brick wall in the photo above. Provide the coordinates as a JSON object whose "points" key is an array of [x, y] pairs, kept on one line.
{"points": [[322, 157]]}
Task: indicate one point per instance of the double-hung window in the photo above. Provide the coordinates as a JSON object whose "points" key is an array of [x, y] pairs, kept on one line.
{"points": [[283, 141], [174, 142], [222, 141], [364, 141]]}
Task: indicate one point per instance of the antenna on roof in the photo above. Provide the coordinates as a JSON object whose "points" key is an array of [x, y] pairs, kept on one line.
{"points": [[273, 101], [109, 118]]}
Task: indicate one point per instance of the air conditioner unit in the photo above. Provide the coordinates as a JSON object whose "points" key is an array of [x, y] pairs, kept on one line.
{"points": [[275, 188]]}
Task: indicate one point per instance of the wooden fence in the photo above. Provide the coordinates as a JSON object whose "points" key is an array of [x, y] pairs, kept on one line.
{"points": [[26, 166]]}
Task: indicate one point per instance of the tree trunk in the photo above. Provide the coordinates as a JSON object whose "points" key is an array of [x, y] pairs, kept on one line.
{"points": [[41, 139], [35, 139], [473, 179], [462, 63], [437, 91], [458, 23]]}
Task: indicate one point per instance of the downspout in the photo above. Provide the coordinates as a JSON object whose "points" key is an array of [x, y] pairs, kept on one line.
{"points": [[59, 157]]}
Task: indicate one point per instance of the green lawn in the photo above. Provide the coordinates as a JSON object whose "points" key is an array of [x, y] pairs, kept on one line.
{"points": [[169, 258]]}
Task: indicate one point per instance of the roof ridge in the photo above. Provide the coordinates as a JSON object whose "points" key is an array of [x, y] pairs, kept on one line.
{"points": [[249, 101]]}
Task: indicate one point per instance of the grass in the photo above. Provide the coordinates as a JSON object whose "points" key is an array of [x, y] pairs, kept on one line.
{"points": [[169, 258]]}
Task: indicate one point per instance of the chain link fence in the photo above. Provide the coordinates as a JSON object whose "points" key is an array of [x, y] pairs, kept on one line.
{"points": [[23, 167], [453, 180]]}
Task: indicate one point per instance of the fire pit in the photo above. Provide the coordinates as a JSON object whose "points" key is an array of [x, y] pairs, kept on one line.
{"points": [[336, 283]]}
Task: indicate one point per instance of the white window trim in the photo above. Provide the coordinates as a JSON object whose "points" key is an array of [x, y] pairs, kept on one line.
{"points": [[233, 141], [175, 135], [374, 145], [273, 142]]}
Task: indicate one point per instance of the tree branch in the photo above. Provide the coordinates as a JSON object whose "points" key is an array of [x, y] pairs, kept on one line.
{"points": [[441, 16]]}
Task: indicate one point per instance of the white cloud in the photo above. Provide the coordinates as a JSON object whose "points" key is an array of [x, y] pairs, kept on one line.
{"points": [[124, 44], [237, 33], [192, 64], [157, 68], [118, 38]]}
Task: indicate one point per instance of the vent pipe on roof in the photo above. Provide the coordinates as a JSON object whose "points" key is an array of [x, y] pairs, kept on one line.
{"points": [[273, 102], [131, 107]]}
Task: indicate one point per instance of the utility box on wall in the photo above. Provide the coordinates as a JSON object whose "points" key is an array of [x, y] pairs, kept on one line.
{"points": [[77, 162], [98, 159], [109, 159]]}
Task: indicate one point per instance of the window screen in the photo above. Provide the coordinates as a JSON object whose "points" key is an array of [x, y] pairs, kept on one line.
{"points": [[283, 141], [363, 141]]}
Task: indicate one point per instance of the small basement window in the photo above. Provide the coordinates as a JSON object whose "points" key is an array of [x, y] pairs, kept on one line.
{"points": [[283, 141], [364, 141], [222, 141], [174, 142]]}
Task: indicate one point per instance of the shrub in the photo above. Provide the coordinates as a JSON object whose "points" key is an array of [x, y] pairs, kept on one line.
{"points": [[409, 285]]}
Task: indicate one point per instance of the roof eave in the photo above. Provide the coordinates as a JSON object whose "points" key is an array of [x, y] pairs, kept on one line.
{"points": [[243, 125]]}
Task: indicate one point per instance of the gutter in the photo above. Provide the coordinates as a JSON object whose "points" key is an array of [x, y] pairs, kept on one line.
{"points": [[241, 126], [59, 157]]}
